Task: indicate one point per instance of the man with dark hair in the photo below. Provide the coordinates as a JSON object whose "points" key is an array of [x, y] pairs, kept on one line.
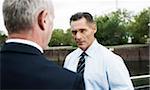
{"points": [[23, 66], [101, 68]]}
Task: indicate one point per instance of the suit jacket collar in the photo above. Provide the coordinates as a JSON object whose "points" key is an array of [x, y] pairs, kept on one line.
{"points": [[20, 48], [28, 42]]}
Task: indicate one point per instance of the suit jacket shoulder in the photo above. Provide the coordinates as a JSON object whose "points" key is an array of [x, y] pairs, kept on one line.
{"points": [[24, 67]]}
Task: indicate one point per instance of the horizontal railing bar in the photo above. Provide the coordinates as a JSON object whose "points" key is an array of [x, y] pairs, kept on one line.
{"points": [[141, 76], [140, 87]]}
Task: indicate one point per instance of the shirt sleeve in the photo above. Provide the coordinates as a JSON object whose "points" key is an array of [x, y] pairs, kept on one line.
{"points": [[118, 75]]}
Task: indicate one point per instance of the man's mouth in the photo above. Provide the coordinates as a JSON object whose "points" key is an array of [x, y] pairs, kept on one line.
{"points": [[79, 43]]}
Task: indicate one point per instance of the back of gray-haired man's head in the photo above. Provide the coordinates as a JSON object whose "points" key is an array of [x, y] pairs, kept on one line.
{"points": [[21, 14]]}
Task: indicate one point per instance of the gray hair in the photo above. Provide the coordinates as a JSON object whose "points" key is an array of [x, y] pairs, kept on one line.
{"points": [[21, 14]]}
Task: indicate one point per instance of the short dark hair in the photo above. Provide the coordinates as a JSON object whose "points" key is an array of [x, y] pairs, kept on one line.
{"points": [[80, 15]]}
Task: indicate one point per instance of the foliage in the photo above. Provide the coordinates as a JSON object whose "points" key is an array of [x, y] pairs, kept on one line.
{"points": [[139, 27], [2, 38], [59, 38], [111, 28]]}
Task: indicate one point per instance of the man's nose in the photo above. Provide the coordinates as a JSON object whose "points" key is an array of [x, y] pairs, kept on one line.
{"points": [[78, 35]]}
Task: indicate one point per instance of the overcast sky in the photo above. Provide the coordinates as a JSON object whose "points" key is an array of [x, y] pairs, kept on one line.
{"points": [[65, 8]]}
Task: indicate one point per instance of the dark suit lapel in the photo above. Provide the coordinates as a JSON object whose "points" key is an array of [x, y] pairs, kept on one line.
{"points": [[21, 48]]}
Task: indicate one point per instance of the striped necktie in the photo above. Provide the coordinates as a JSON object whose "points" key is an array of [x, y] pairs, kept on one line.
{"points": [[81, 63]]}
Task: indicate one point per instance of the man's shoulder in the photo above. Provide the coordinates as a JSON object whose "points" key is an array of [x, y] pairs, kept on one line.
{"points": [[19, 48], [105, 52]]}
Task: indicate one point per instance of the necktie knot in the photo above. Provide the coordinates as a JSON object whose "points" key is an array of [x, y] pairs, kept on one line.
{"points": [[83, 54]]}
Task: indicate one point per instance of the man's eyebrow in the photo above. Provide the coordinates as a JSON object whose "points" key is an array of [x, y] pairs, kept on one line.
{"points": [[74, 30]]}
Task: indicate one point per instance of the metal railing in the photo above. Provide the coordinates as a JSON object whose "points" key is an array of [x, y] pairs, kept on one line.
{"points": [[142, 87]]}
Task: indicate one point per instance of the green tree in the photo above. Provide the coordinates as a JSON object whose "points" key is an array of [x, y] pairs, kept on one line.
{"points": [[57, 38], [139, 27], [111, 27], [2, 38]]}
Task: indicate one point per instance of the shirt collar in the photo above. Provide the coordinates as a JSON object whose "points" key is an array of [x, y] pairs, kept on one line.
{"points": [[23, 41], [90, 51], [79, 52]]}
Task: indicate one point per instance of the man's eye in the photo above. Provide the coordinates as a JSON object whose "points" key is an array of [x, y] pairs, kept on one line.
{"points": [[74, 32], [82, 30]]}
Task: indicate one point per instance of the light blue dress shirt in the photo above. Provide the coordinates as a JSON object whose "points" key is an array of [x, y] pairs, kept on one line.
{"points": [[104, 70]]}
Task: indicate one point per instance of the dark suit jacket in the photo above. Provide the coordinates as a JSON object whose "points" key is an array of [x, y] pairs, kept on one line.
{"points": [[24, 67]]}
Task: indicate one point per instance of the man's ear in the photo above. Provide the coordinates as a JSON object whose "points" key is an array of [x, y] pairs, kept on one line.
{"points": [[42, 17], [94, 27]]}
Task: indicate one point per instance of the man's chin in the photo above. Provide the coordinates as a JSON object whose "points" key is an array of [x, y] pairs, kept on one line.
{"points": [[81, 47]]}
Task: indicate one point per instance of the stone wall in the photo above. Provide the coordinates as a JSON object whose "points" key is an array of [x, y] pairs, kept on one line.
{"points": [[133, 53]]}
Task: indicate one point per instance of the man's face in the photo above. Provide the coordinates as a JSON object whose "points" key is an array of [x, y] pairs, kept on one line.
{"points": [[83, 33]]}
